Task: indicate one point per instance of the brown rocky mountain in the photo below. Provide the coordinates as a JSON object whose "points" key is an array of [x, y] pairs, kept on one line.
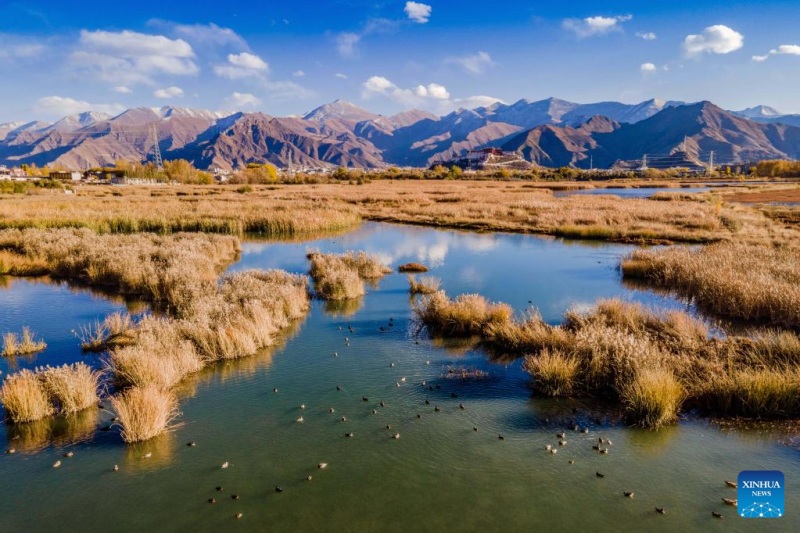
{"points": [[550, 132]]}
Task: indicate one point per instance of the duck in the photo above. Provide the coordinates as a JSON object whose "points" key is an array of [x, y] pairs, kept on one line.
{"points": [[11, 451], [436, 409], [427, 401], [302, 406], [396, 436], [562, 443], [548, 447], [383, 404], [300, 419], [553, 451], [278, 489], [322, 465], [336, 354], [628, 494], [596, 447], [391, 365], [661, 510], [226, 464], [219, 489], [212, 500], [338, 388], [604, 450], [364, 398], [419, 415], [585, 430], [731, 484], [69, 454], [234, 496], [238, 515], [388, 426], [344, 419], [275, 390], [57, 464], [331, 410], [571, 461], [350, 434], [148, 455], [560, 435], [598, 474], [374, 411], [461, 406], [575, 428], [474, 428], [500, 437], [716, 514], [730, 501], [191, 443], [116, 468], [403, 379]]}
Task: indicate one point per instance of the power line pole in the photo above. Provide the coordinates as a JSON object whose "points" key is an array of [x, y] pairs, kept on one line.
{"points": [[591, 162], [156, 149], [711, 162], [644, 162]]}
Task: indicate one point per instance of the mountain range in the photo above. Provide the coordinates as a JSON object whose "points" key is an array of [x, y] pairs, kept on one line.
{"points": [[548, 132]]}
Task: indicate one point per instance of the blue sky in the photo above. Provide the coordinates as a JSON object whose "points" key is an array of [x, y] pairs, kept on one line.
{"points": [[287, 57]]}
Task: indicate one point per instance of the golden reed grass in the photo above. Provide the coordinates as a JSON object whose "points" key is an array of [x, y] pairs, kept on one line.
{"points": [[736, 280], [425, 285], [23, 344], [652, 362], [145, 412], [341, 276], [30, 395]]}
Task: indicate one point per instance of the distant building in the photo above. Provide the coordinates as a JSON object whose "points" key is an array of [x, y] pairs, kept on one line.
{"points": [[65, 175], [488, 159]]}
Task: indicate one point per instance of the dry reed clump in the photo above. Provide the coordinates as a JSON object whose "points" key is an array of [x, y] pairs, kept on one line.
{"points": [[24, 344], [144, 412], [554, 372], [341, 276], [72, 387], [25, 397], [531, 334], [467, 314], [753, 392], [742, 281], [18, 265], [170, 271], [416, 268], [117, 329], [425, 285], [652, 398]]}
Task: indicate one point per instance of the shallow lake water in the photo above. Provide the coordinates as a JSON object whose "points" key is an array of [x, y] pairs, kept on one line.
{"points": [[640, 192], [439, 475]]}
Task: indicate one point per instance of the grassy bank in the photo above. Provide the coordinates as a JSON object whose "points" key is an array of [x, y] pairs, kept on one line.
{"points": [[741, 281], [652, 363]]}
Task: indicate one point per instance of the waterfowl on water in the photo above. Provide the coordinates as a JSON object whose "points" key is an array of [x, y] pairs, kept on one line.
{"points": [[453, 395], [383, 404], [364, 398], [350, 328], [116, 468], [349, 434], [572, 461], [69, 454], [560, 435], [57, 464], [338, 388], [302, 406], [239, 515], [336, 354], [344, 419], [278, 489], [661, 510], [461, 406], [148, 455], [628, 494], [226, 464], [374, 411], [219, 489], [391, 365], [501, 437], [730, 501], [309, 478], [11, 451], [575, 428], [731, 484], [585, 430], [553, 451], [604, 450], [427, 401], [212, 500], [191, 443], [388, 426], [598, 474], [474, 428], [596, 447], [331, 410], [322, 465], [436, 409], [396, 436], [275, 390], [419, 415], [548, 447], [562, 443], [403, 379], [234, 496], [300, 419], [716, 514]]}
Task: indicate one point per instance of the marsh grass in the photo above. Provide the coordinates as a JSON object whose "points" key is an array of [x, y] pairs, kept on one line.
{"points": [[341, 276], [425, 285], [144, 412], [25, 397], [117, 329], [24, 344], [653, 398], [652, 362], [466, 315], [73, 388], [415, 268], [743, 281], [554, 372]]}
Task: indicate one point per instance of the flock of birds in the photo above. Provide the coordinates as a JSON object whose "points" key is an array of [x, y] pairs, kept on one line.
{"points": [[602, 445]]}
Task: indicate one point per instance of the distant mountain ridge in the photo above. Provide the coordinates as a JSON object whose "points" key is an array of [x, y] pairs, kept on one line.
{"points": [[550, 132]]}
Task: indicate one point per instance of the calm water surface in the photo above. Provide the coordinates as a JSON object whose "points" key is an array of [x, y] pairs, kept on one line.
{"points": [[439, 475], [641, 192]]}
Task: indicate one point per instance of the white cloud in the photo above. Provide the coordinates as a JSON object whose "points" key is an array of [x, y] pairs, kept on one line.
{"points": [[417, 12], [242, 100], [62, 105], [211, 34], [19, 47], [782, 50], [244, 65], [647, 36], [169, 92], [129, 57], [716, 39], [432, 96], [287, 90], [298, 73], [591, 26], [121, 89], [346, 43], [474, 64], [432, 90], [340, 76], [647, 68]]}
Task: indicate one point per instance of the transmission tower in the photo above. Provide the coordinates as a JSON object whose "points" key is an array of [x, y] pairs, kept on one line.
{"points": [[156, 149], [711, 162], [644, 162]]}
